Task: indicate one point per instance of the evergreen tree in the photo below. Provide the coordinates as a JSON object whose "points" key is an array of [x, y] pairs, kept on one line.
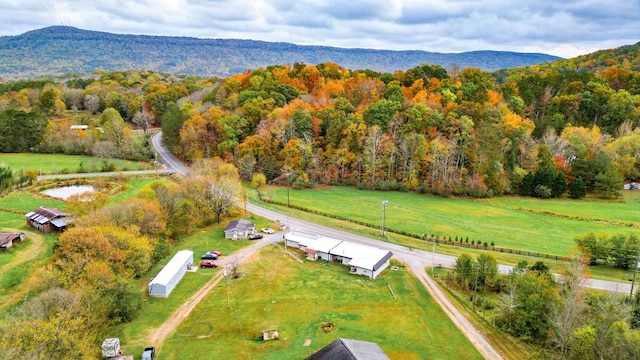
{"points": [[609, 183], [526, 186], [578, 189], [559, 185]]}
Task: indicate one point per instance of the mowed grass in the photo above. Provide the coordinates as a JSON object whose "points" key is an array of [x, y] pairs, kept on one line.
{"points": [[512, 222], [48, 164], [133, 335], [277, 292]]}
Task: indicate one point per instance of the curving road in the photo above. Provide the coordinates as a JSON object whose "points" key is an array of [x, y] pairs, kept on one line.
{"points": [[166, 158]]}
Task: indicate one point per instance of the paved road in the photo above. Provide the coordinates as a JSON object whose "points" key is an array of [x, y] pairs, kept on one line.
{"points": [[170, 162], [413, 257]]}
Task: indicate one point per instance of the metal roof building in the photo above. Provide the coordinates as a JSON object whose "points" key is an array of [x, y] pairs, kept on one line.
{"points": [[49, 220], [363, 259], [171, 274], [349, 349]]}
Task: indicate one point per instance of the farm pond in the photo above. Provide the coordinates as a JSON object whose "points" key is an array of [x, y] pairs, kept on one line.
{"points": [[68, 191]]}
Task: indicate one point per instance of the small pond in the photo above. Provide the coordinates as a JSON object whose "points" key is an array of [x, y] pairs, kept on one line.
{"points": [[67, 191]]}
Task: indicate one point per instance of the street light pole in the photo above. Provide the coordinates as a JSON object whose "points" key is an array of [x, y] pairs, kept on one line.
{"points": [[384, 210], [287, 175], [635, 271]]}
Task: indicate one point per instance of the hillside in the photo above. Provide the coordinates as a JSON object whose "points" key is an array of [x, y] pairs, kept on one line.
{"points": [[624, 58], [63, 49]]}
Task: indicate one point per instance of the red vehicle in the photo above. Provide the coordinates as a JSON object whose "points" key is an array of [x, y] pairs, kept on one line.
{"points": [[216, 252], [208, 264]]}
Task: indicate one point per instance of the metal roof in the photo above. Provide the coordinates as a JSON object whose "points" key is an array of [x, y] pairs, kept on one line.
{"points": [[349, 349], [43, 215], [362, 256], [168, 271]]}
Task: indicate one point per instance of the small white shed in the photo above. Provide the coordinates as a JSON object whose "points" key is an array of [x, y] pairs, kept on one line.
{"points": [[171, 274]]}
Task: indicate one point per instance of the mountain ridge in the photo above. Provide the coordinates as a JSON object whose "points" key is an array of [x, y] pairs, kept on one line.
{"points": [[64, 49]]}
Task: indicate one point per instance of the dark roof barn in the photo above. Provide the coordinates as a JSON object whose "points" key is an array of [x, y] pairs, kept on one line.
{"points": [[349, 349]]}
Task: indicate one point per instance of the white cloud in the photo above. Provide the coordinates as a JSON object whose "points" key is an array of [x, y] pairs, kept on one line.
{"points": [[560, 27]]}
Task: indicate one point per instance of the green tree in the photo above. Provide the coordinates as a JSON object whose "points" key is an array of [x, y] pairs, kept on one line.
{"points": [[559, 186], [577, 189], [609, 183], [485, 270], [21, 131], [381, 113], [462, 270], [6, 178], [124, 302]]}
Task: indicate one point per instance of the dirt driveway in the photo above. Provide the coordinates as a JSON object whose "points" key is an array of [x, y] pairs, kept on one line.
{"points": [[32, 248]]}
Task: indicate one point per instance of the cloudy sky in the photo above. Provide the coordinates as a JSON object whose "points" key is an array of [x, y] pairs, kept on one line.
{"points": [[565, 28]]}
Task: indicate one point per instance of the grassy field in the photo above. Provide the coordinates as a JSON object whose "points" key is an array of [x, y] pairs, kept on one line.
{"points": [[158, 310], [18, 263], [48, 164], [519, 223], [277, 292]]}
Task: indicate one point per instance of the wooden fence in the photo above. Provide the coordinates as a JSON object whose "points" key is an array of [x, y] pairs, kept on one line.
{"points": [[426, 238]]}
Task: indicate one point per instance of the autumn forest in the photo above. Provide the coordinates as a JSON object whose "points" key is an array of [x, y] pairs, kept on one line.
{"points": [[559, 128]]}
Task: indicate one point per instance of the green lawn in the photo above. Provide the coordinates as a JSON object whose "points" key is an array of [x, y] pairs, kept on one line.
{"points": [[513, 222], [46, 164], [156, 311], [277, 292]]}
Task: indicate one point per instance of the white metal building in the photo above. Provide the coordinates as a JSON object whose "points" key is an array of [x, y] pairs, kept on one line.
{"points": [[363, 259], [299, 240], [171, 274], [321, 248]]}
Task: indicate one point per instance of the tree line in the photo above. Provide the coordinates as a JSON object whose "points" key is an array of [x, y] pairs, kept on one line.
{"points": [[443, 131], [554, 313]]}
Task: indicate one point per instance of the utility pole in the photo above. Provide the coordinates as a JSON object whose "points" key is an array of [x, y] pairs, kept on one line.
{"points": [[384, 210], [155, 163], [635, 271], [433, 257], [287, 175], [226, 275]]}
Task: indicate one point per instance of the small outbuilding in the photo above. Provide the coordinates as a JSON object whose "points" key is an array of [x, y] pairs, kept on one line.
{"points": [[49, 220], [239, 229], [7, 240], [171, 274], [349, 349]]}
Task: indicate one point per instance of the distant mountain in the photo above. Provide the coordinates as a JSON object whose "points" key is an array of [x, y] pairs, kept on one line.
{"points": [[64, 49]]}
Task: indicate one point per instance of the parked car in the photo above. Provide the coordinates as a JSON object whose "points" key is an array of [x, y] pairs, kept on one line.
{"points": [[208, 264], [209, 256], [216, 252], [149, 353], [267, 230], [255, 236]]}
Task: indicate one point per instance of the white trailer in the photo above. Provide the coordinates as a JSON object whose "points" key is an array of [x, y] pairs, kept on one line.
{"points": [[171, 274]]}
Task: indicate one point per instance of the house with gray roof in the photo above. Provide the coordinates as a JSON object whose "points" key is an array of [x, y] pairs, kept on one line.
{"points": [[239, 229], [349, 349]]}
